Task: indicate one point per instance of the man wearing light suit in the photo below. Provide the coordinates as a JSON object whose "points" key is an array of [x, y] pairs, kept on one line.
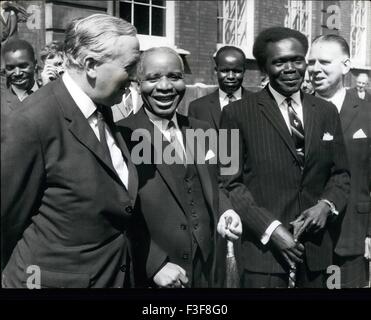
{"points": [[68, 185], [179, 202], [328, 63], [292, 170], [230, 66]]}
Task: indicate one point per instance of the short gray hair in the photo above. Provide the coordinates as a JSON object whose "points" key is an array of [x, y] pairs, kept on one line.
{"points": [[95, 36], [146, 53]]}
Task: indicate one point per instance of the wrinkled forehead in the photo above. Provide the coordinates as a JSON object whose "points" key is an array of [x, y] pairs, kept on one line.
{"points": [[162, 61], [329, 50]]}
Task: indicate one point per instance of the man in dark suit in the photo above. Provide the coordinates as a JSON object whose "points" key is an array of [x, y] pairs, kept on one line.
{"points": [[292, 165], [179, 200], [230, 66], [20, 67], [328, 63], [360, 89], [68, 185]]}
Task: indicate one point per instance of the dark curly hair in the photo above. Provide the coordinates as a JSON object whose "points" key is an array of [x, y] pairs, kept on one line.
{"points": [[274, 34]]}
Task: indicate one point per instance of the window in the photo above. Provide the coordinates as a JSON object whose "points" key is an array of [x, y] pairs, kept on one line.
{"points": [[358, 29], [154, 20], [236, 24], [299, 17]]}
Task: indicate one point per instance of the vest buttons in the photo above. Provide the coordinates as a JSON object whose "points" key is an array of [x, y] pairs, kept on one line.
{"points": [[183, 227], [128, 209]]}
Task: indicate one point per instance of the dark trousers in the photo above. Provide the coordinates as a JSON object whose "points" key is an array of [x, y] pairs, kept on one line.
{"points": [[354, 271], [201, 275], [263, 280]]}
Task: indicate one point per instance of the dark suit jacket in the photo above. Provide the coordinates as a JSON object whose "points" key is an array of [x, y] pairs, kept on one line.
{"points": [[208, 108], [271, 185], [353, 92], [63, 206], [9, 100], [355, 225], [163, 208]]}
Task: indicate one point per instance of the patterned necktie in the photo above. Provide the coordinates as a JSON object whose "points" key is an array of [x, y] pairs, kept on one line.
{"points": [[174, 141], [102, 132], [297, 130], [231, 98]]}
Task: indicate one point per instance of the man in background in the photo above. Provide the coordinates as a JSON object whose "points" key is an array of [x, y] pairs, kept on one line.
{"points": [[360, 89], [20, 67], [230, 67], [328, 63]]}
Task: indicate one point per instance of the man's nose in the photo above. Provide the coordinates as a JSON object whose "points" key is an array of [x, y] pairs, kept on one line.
{"points": [[18, 71], [289, 67], [164, 84], [230, 74]]}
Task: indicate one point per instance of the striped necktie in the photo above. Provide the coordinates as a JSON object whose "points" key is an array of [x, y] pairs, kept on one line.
{"points": [[297, 130], [174, 141]]}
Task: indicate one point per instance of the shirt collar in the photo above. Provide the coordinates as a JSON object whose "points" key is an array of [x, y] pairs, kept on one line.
{"points": [[85, 104], [21, 94], [161, 123], [237, 94], [337, 99], [281, 98]]}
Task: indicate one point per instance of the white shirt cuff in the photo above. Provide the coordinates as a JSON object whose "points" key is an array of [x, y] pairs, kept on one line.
{"points": [[267, 234]]}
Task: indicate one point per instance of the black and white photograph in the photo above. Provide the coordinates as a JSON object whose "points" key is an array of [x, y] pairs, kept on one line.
{"points": [[185, 147]]}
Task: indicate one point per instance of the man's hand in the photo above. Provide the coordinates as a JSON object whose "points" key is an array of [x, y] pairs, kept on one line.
{"points": [[311, 220], [290, 249], [230, 225], [171, 276], [368, 248], [49, 73]]}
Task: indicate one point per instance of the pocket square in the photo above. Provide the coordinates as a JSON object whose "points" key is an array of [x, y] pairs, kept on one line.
{"points": [[327, 137], [210, 154], [359, 134]]}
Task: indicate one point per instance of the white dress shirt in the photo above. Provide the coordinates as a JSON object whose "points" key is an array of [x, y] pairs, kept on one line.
{"points": [[223, 97], [88, 108]]}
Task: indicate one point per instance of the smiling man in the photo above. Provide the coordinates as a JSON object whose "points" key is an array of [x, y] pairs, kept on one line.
{"points": [[292, 166], [68, 186], [20, 66], [230, 67], [180, 203]]}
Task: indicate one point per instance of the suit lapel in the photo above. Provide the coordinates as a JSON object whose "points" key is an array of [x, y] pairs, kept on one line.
{"points": [[203, 172], [214, 108], [309, 121], [272, 112], [348, 111], [80, 128]]}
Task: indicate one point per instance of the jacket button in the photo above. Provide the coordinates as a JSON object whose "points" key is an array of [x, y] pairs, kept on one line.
{"points": [[129, 209], [123, 268], [183, 227], [195, 226], [185, 256]]}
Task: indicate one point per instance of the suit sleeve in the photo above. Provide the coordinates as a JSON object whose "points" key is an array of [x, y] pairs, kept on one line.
{"points": [[192, 110], [254, 218], [22, 175], [337, 188]]}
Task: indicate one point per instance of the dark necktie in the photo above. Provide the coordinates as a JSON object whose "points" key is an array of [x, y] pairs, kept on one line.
{"points": [[174, 141], [297, 130], [102, 132], [231, 98]]}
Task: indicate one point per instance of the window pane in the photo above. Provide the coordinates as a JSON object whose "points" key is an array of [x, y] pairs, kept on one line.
{"points": [[158, 3], [220, 31], [125, 11], [158, 22], [142, 1], [141, 19]]}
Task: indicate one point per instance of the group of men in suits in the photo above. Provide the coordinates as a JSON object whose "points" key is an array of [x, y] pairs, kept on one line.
{"points": [[304, 174], [78, 205]]}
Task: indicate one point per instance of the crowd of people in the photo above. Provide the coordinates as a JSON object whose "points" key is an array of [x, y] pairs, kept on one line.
{"points": [[99, 193]]}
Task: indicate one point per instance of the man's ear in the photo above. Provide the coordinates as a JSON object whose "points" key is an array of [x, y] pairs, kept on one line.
{"points": [[90, 66], [346, 66]]}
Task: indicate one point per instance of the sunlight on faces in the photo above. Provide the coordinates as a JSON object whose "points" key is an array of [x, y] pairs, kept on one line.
{"points": [[327, 64], [161, 83], [285, 65], [113, 77]]}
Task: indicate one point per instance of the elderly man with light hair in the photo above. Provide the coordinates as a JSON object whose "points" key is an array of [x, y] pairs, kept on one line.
{"points": [[66, 211], [360, 89]]}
